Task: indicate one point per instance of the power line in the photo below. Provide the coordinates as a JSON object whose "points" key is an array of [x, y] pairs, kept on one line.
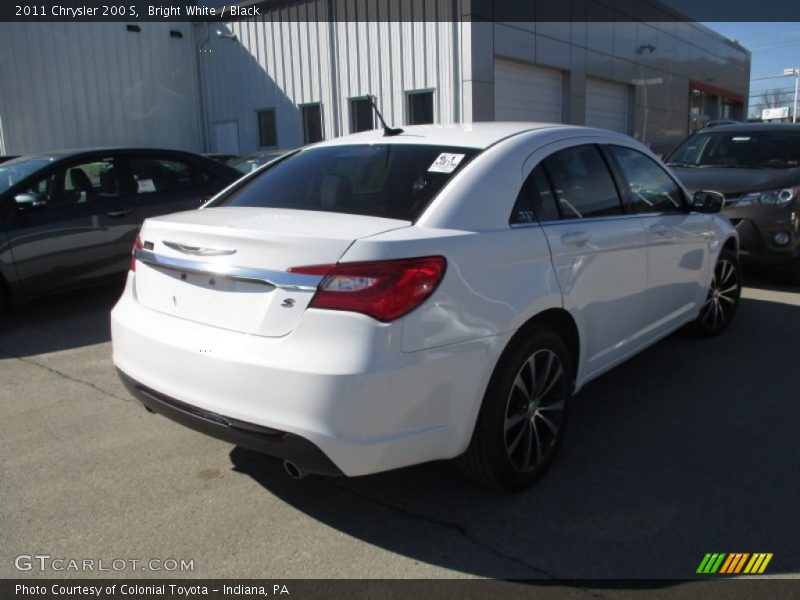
{"points": [[771, 77], [780, 89], [756, 49]]}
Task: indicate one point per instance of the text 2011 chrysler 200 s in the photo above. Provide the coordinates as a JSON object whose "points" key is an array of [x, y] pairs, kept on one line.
{"points": [[377, 301]]}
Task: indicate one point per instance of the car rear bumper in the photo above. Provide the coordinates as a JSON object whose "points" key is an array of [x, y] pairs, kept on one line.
{"points": [[278, 444], [338, 383]]}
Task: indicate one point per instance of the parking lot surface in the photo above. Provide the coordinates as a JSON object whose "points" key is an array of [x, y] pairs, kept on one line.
{"points": [[690, 447]]}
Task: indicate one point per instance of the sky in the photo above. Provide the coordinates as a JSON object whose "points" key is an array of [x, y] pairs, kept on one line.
{"points": [[774, 47]]}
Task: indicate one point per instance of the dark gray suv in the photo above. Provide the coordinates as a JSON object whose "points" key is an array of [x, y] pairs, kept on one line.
{"points": [[757, 168], [69, 219]]}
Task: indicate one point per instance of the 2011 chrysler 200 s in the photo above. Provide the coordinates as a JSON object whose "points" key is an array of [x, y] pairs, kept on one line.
{"points": [[377, 301]]}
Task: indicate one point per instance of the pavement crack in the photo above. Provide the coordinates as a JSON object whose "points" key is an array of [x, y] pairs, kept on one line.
{"points": [[62, 374], [452, 525], [464, 532]]}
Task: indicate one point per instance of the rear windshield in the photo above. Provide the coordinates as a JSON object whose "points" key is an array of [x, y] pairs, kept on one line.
{"points": [[741, 149], [395, 181]]}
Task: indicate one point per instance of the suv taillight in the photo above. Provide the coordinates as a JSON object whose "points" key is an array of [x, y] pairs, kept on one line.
{"points": [[137, 245], [384, 290]]}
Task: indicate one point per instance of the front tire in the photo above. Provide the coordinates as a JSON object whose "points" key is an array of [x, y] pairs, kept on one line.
{"points": [[520, 427], [723, 295]]}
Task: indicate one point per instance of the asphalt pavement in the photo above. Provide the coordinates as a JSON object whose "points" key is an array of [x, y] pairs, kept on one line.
{"points": [[690, 447]]}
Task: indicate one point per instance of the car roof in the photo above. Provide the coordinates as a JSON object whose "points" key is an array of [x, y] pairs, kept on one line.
{"points": [[464, 135], [742, 127], [73, 153]]}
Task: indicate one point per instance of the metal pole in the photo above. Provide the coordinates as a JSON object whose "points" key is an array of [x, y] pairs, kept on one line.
{"points": [[796, 82]]}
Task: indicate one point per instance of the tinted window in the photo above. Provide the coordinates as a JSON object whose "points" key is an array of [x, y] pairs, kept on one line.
{"points": [[14, 171], [535, 200], [267, 132], [91, 181], [650, 189], [251, 162], [742, 149], [582, 183], [544, 203], [312, 123], [160, 175], [523, 209], [387, 180], [361, 115], [420, 108]]}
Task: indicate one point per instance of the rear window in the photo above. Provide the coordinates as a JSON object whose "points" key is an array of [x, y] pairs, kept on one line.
{"points": [[395, 181]]}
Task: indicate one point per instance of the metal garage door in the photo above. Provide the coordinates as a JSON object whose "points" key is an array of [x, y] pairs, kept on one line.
{"points": [[526, 93], [607, 105]]}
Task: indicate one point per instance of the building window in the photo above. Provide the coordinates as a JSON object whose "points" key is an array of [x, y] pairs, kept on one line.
{"points": [[362, 116], [267, 132], [420, 108], [312, 123]]}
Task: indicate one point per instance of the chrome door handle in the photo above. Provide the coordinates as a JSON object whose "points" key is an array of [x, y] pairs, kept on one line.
{"points": [[658, 229], [577, 238], [118, 214]]}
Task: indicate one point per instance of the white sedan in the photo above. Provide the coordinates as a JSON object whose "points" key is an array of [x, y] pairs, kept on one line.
{"points": [[375, 301]]}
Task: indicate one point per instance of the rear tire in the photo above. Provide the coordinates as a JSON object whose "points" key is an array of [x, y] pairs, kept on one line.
{"points": [[521, 423], [722, 299]]}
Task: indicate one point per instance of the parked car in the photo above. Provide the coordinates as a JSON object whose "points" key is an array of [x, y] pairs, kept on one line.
{"points": [[373, 302], [6, 158], [222, 157], [719, 122], [67, 219], [251, 162], [757, 168]]}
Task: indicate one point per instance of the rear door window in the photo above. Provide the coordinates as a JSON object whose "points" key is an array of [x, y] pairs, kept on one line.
{"points": [[582, 184], [386, 180], [152, 175], [535, 200]]}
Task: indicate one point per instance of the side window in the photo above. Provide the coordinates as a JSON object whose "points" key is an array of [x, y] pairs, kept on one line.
{"points": [[160, 175], [582, 183], [650, 188], [542, 194], [535, 199], [523, 209], [92, 181]]}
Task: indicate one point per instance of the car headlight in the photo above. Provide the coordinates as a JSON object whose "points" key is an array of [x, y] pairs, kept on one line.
{"points": [[768, 198]]}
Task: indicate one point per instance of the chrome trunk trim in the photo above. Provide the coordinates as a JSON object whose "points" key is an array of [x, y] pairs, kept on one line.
{"points": [[278, 279]]}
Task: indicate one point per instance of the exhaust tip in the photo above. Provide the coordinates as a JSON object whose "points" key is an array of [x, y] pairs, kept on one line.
{"points": [[292, 470]]}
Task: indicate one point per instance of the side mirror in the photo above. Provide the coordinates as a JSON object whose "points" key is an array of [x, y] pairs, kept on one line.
{"points": [[708, 202], [28, 200]]}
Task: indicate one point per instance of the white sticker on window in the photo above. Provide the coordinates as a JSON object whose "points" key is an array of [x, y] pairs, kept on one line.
{"points": [[446, 163], [145, 185]]}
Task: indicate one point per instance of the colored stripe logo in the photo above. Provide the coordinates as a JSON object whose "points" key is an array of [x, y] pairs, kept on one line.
{"points": [[734, 563]]}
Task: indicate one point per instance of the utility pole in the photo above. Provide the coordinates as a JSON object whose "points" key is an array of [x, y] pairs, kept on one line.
{"points": [[796, 73]]}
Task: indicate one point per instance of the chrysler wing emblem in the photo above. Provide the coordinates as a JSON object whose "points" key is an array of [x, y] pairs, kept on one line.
{"points": [[197, 251]]}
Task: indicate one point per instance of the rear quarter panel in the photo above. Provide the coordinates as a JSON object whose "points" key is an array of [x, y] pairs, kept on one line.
{"points": [[495, 281]]}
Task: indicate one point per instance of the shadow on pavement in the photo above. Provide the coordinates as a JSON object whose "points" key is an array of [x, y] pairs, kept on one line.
{"points": [[59, 322], [771, 279], [690, 447]]}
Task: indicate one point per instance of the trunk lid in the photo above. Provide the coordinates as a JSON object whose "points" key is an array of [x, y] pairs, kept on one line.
{"points": [[212, 265]]}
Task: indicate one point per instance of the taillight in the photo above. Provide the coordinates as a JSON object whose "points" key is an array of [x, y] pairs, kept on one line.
{"points": [[384, 290], [137, 245]]}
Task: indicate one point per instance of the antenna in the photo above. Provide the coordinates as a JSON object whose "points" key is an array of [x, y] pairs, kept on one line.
{"points": [[387, 131]]}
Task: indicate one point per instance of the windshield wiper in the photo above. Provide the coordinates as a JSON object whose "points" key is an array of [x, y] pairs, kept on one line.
{"points": [[680, 164]]}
